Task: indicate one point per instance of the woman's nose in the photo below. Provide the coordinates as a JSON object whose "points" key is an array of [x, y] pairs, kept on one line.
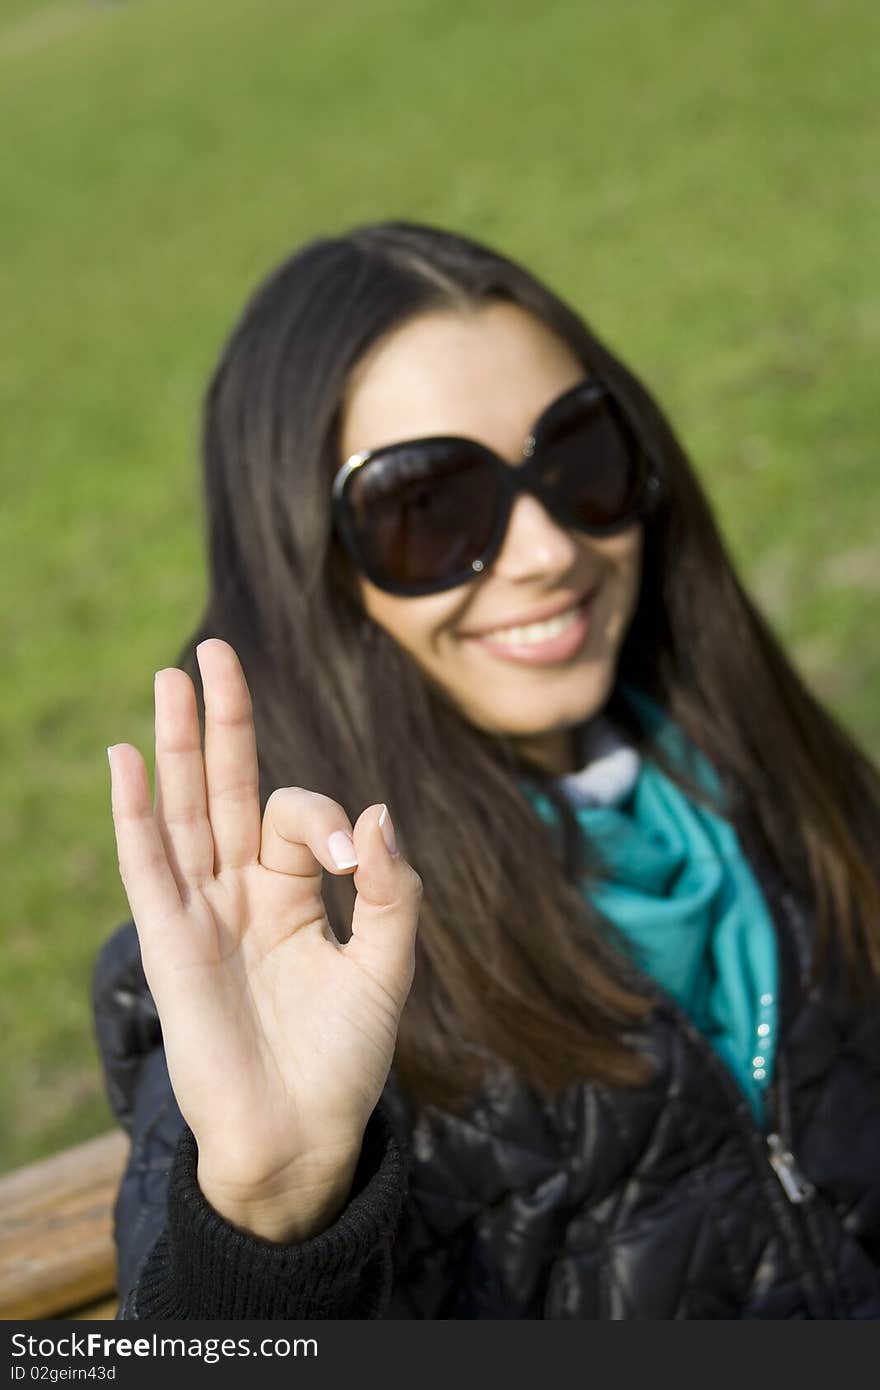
{"points": [[534, 543]]}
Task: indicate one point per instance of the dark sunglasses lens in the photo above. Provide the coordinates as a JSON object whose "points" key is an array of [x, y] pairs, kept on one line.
{"points": [[591, 463], [423, 514]]}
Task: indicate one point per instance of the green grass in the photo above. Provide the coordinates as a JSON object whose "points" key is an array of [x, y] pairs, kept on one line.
{"points": [[699, 179]]}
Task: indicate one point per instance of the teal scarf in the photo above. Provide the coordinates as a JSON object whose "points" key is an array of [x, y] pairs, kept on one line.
{"points": [[679, 888]]}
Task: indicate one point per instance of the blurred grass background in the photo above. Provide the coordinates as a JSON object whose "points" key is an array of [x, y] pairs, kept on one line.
{"points": [[700, 180]]}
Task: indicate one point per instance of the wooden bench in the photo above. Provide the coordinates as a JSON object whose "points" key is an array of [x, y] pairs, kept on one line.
{"points": [[57, 1257]]}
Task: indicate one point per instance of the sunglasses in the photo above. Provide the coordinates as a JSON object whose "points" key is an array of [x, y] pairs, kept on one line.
{"points": [[429, 514]]}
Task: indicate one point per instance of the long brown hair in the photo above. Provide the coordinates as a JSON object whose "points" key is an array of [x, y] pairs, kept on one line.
{"points": [[512, 961]]}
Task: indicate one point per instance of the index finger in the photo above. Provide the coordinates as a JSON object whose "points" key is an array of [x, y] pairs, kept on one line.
{"points": [[300, 830]]}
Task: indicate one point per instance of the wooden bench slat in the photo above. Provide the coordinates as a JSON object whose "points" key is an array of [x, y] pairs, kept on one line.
{"points": [[105, 1310], [56, 1229]]}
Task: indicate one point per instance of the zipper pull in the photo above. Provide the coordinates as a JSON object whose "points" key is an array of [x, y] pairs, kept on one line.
{"points": [[795, 1186]]}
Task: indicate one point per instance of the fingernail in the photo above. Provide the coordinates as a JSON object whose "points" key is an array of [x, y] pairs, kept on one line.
{"points": [[387, 829], [342, 850], [109, 755]]}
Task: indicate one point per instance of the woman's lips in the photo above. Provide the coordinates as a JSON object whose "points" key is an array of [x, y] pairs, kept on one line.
{"points": [[558, 648]]}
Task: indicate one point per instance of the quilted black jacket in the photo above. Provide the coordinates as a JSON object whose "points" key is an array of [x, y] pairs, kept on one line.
{"points": [[667, 1202]]}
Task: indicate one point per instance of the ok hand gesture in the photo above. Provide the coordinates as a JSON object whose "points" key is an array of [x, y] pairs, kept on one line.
{"points": [[278, 1040]]}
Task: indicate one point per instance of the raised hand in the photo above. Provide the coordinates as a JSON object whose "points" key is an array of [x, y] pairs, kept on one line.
{"points": [[278, 1040]]}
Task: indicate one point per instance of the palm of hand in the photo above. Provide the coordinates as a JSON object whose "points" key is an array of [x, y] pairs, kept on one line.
{"points": [[278, 1039]]}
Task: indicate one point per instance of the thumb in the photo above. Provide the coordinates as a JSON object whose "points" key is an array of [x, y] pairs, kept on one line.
{"points": [[386, 909]]}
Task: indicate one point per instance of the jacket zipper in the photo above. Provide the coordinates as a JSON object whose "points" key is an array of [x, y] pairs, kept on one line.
{"points": [[771, 1149], [795, 1186], [771, 1155], [800, 1191]]}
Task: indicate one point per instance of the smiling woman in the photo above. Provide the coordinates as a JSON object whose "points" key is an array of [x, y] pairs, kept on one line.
{"points": [[599, 955], [555, 602]]}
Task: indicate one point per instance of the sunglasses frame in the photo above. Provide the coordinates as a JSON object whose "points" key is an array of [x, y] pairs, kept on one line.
{"points": [[513, 479]]}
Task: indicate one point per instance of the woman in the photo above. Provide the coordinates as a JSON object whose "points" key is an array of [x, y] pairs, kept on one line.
{"points": [[474, 651]]}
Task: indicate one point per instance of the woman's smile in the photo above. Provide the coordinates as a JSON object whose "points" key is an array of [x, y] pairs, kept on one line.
{"points": [[553, 640]]}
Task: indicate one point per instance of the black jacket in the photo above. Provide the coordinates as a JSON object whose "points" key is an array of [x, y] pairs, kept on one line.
{"points": [[666, 1202]]}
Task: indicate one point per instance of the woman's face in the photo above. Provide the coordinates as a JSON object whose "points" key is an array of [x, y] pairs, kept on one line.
{"points": [[488, 374]]}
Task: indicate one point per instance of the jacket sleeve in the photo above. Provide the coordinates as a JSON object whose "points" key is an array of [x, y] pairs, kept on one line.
{"points": [[202, 1267], [177, 1258]]}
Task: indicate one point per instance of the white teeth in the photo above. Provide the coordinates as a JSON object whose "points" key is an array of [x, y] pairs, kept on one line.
{"points": [[535, 632]]}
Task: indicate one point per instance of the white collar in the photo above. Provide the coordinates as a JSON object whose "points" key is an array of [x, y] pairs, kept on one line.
{"points": [[610, 768]]}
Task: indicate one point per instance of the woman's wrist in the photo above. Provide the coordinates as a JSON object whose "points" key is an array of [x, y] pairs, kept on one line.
{"points": [[288, 1214]]}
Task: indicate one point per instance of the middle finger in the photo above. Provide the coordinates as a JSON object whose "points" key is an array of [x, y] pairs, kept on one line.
{"points": [[181, 811], [231, 771]]}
